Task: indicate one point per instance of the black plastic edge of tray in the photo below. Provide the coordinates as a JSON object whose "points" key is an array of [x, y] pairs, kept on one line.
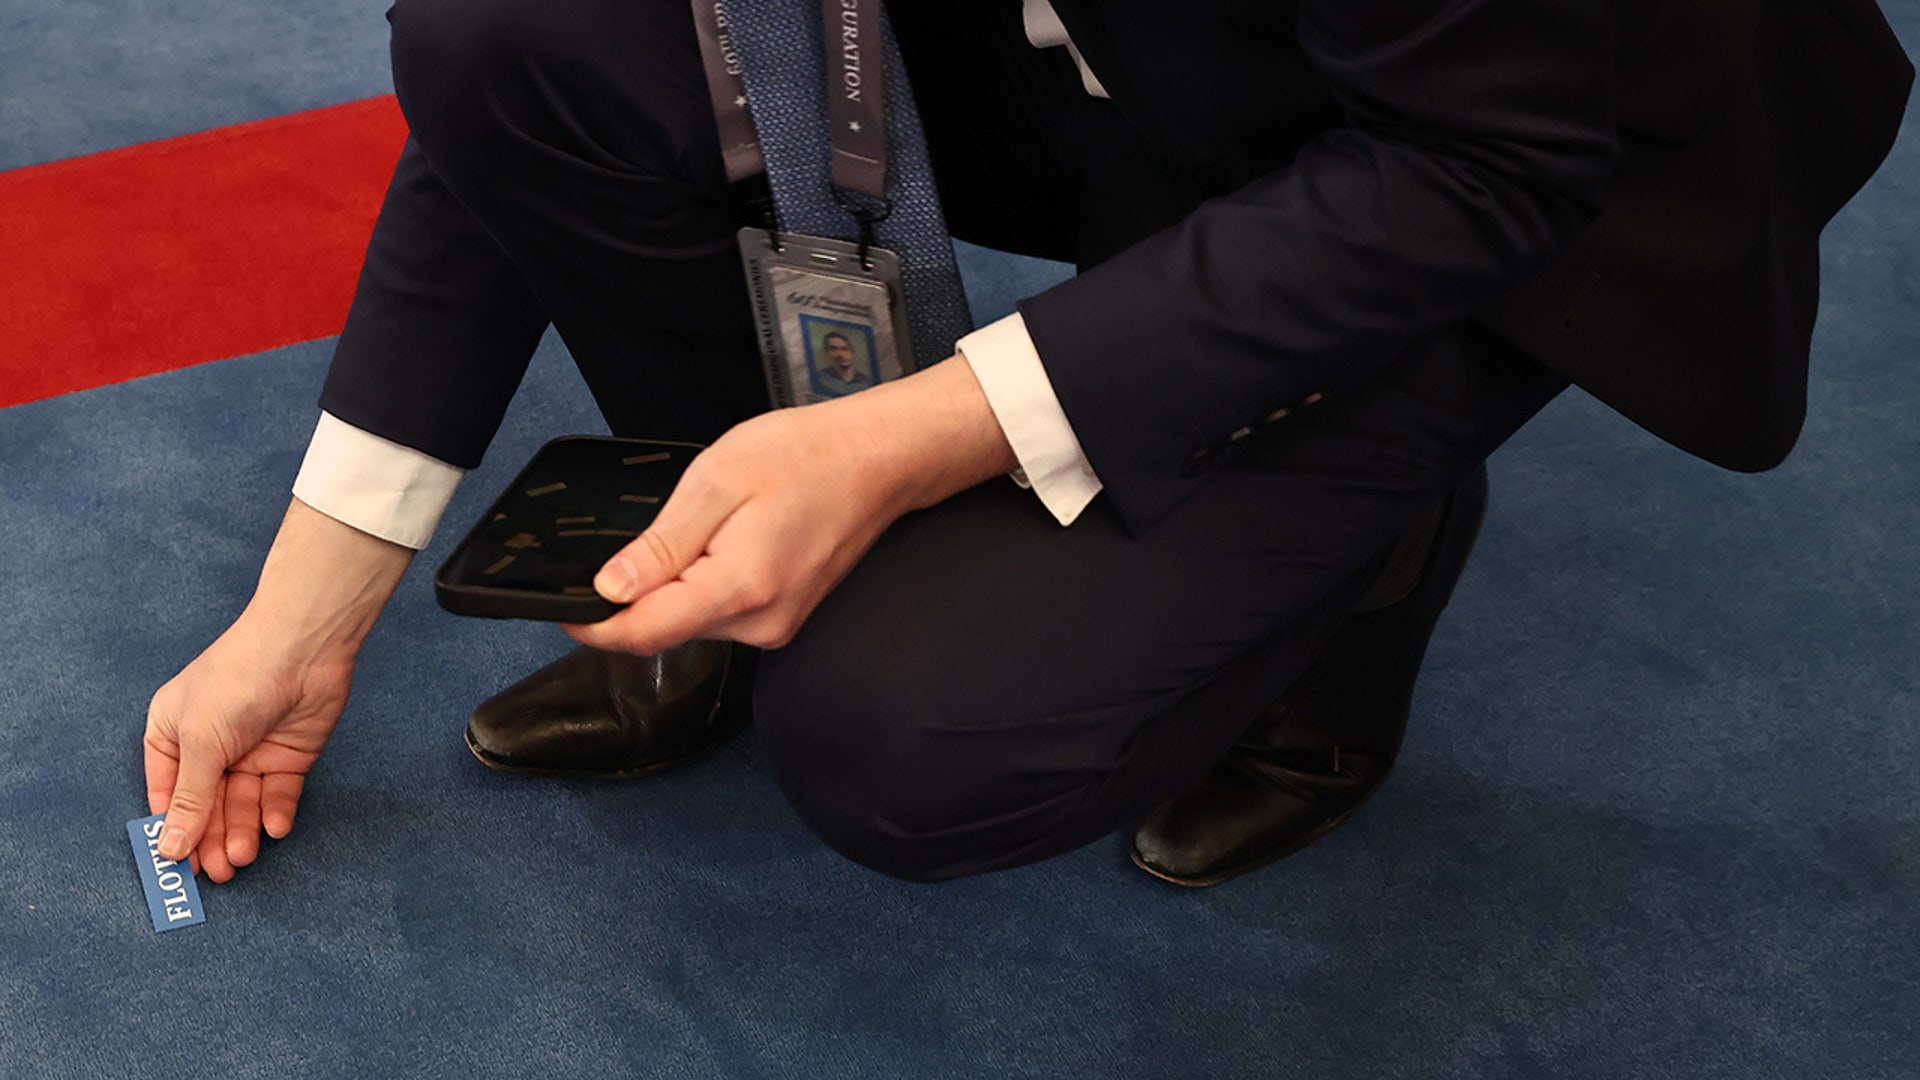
{"points": [[487, 602]]}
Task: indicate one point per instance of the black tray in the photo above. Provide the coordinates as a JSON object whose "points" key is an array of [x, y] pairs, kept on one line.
{"points": [[534, 553]]}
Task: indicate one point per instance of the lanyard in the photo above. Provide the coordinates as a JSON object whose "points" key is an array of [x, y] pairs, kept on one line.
{"points": [[739, 142], [856, 106]]}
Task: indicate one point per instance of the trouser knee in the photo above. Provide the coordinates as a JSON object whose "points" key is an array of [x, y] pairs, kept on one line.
{"points": [[878, 772]]}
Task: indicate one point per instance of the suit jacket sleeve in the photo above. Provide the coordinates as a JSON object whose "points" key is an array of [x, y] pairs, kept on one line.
{"points": [[1477, 138], [441, 329]]}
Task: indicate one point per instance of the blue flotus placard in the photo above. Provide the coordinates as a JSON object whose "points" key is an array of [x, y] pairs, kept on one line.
{"points": [[172, 897]]}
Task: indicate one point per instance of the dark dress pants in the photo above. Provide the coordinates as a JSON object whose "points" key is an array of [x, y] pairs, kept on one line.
{"points": [[987, 688]]}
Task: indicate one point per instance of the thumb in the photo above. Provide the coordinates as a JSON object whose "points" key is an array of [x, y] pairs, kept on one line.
{"points": [[677, 537], [191, 807]]}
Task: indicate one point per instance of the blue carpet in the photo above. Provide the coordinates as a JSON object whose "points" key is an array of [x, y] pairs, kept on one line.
{"points": [[1658, 814], [80, 76]]}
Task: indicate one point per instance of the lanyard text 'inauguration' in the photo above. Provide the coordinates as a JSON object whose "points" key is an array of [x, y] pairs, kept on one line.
{"points": [[856, 102]]}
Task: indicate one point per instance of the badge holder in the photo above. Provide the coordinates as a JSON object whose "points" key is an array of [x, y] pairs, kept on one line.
{"points": [[828, 314]]}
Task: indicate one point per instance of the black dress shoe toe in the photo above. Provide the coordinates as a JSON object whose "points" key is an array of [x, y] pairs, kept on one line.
{"points": [[604, 714], [1253, 809]]}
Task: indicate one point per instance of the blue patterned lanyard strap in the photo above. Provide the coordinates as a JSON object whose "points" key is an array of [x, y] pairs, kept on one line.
{"points": [[801, 69]]}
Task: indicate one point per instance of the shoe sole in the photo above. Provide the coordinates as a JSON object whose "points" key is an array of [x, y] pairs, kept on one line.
{"points": [[500, 765]]}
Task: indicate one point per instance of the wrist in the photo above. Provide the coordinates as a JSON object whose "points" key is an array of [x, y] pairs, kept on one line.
{"points": [[322, 588], [288, 635], [937, 434]]}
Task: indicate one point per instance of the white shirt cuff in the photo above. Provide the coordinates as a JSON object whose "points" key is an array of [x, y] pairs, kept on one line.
{"points": [[1022, 399], [1045, 30], [358, 478]]}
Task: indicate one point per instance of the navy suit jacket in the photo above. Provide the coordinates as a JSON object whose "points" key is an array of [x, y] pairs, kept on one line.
{"points": [[1630, 190]]}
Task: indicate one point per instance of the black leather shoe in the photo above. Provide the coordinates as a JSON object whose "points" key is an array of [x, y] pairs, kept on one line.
{"points": [[606, 714], [1319, 753]]}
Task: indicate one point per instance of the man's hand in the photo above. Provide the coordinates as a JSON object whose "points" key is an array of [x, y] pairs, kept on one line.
{"points": [[231, 738], [774, 514], [229, 742]]}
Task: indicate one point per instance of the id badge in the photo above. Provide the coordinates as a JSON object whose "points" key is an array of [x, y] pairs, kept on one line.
{"points": [[828, 326]]}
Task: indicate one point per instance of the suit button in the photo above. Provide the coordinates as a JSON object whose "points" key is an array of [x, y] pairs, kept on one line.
{"points": [[1313, 399], [1277, 414], [1198, 461]]}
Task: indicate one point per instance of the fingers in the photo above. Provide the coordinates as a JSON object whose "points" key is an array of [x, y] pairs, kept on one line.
{"points": [[676, 612], [253, 802], [677, 538], [242, 818], [213, 842], [279, 796]]}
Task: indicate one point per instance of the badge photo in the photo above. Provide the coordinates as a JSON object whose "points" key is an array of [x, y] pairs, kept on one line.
{"points": [[840, 355]]}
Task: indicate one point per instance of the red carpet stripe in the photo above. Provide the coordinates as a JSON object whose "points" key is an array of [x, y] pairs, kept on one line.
{"points": [[178, 252]]}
